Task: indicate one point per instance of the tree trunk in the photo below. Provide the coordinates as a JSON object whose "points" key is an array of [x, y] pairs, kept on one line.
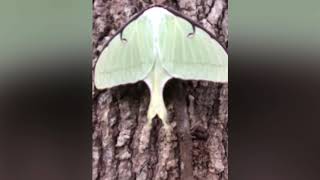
{"points": [[198, 110]]}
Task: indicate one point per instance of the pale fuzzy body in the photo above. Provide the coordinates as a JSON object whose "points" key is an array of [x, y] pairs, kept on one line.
{"points": [[158, 77]]}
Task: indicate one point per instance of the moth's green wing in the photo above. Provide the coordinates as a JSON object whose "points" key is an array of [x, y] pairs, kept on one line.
{"points": [[198, 57], [126, 62]]}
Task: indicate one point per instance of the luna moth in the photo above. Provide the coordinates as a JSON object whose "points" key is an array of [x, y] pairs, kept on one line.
{"points": [[156, 45]]}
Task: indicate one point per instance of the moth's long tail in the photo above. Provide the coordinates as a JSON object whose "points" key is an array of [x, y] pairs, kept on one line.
{"points": [[157, 107]]}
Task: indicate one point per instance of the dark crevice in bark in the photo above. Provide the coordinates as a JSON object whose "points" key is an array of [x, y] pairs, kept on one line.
{"points": [[155, 147], [184, 135], [207, 14], [210, 8], [179, 159], [217, 101]]}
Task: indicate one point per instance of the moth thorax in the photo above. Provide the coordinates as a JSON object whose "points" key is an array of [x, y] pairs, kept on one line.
{"points": [[155, 16]]}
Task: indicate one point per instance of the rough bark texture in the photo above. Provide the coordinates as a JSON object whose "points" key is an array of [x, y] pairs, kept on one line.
{"points": [[123, 148]]}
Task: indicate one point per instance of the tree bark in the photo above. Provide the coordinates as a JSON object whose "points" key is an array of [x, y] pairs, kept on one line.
{"points": [[198, 110]]}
